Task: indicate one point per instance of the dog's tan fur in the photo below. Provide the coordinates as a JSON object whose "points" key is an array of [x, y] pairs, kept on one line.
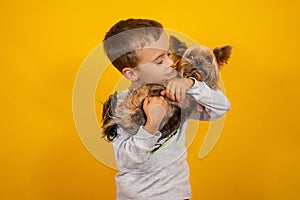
{"points": [[196, 61]]}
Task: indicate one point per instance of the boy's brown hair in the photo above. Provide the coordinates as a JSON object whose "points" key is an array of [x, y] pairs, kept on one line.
{"points": [[126, 36]]}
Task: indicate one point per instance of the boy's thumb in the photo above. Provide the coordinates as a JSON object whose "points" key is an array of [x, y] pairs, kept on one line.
{"points": [[163, 93]]}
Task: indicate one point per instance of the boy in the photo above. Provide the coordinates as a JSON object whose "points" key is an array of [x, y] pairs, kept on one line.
{"points": [[138, 48]]}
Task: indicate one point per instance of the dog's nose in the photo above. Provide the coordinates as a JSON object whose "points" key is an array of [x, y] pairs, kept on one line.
{"points": [[198, 63]]}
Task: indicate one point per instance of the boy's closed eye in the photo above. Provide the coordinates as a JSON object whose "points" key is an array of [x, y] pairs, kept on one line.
{"points": [[160, 61], [162, 57]]}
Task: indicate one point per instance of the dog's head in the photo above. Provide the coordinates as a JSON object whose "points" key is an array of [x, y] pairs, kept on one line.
{"points": [[199, 62]]}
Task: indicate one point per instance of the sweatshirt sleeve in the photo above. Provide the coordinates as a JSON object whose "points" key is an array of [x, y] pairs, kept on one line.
{"points": [[215, 103], [131, 151]]}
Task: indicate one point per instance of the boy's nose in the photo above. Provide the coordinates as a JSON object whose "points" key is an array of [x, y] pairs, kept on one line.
{"points": [[169, 62]]}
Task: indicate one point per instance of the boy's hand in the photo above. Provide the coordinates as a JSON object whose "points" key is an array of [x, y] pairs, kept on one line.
{"points": [[176, 88], [155, 109]]}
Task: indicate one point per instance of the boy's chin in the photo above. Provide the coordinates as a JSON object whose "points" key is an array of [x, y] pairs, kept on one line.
{"points": [[173, 74], [164, 81], [160, 82]]}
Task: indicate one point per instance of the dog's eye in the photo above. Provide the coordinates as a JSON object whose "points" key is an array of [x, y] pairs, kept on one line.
{"points": [[208, 59], [198, 63], [190, 56]]}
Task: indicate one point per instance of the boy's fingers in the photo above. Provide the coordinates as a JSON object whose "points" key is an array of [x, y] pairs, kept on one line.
{"points": [[178, 95], [163, 93], [171, 95], [170, 92], [164, 102], [183, 92]]}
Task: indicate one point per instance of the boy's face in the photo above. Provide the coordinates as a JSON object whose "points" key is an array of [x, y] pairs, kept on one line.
{"points": [[154, 61]]}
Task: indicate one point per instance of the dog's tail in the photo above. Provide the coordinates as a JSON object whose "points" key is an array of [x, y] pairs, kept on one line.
{"points": [[109, 126]]}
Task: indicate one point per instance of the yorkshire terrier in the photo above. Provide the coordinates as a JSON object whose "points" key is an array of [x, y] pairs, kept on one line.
{"points": [[195, 61]]}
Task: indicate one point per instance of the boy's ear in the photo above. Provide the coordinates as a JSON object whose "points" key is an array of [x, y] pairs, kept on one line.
{"points": [[222, 54], [177, 46], [130, 74]]}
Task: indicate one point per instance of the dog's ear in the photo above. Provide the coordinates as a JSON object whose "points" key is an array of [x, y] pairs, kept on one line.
{"points": [[222, 54], [177, 46]]}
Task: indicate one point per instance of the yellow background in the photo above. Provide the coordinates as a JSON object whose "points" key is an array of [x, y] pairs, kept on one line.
{"points": [[43, 44]]}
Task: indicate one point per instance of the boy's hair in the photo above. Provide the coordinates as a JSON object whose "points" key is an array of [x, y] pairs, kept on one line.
{"points": [[126, 36]]}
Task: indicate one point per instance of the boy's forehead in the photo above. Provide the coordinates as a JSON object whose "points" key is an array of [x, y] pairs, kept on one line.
{"points": [[153, 50]]}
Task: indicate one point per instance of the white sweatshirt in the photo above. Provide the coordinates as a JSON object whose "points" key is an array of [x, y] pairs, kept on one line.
{"points": [[164, 173]]}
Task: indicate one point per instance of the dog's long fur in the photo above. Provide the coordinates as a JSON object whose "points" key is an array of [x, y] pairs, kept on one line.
{"points": [[196, 61], [129, 115]]}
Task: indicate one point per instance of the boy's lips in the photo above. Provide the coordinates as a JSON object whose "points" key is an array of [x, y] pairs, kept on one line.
{"points": [[172, 74], [168, 76]]}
